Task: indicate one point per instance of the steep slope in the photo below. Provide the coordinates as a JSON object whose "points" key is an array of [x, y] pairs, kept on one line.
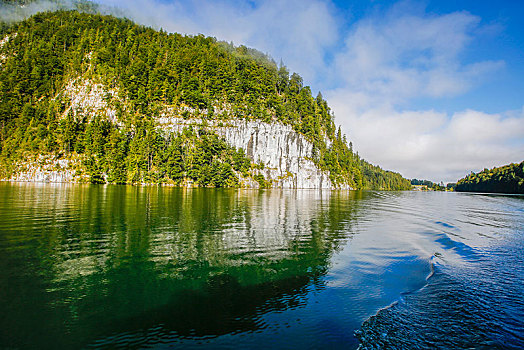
{"points": [[117, 102]]}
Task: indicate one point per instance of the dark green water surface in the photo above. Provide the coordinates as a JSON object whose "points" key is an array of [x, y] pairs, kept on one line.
{"points": [[121, 266]]}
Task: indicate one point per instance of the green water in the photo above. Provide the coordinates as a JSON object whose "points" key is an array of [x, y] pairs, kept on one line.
{"points": [[82, 263], [85, 266]]}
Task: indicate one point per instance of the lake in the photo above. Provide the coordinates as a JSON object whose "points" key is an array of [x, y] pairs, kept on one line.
{"points": [[85, 266]]}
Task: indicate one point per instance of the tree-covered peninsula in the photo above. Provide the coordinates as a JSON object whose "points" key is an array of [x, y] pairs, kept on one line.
{"points": [[505, 179], [117, 102]]}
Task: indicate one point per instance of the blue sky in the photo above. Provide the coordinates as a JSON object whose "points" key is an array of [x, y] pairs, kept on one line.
{"points": [[500, 37], [432, 89]]}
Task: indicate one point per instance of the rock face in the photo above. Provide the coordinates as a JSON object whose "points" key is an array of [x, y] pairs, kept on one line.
{"points": [[43, 175], [89, 98], [285, 154], [47, 169], [4, 41]]}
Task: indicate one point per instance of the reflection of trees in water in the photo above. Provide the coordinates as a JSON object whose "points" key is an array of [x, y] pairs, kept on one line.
{"points": [[200, 262]]}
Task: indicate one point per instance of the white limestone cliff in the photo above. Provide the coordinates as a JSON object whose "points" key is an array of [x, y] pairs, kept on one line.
{"points": [[48, 168], [285, 154]]}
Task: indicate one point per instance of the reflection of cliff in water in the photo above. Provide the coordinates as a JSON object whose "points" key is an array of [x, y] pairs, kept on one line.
{"points": [[197, 262]]}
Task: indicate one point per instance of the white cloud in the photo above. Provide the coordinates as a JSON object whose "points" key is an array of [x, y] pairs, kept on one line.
{"points": [[396, 57], [298, 31], [12, 12], [433, 145], [389, 60]]}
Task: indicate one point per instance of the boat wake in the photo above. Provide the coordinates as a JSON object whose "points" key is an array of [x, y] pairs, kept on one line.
{"points": [[454, 309]]}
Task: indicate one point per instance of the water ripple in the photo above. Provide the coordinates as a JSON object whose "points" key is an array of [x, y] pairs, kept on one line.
{"points": [[141, 267]]}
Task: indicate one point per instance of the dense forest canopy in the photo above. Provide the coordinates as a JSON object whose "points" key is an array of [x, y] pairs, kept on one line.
{"points": [[505, 179], [151, 71]]}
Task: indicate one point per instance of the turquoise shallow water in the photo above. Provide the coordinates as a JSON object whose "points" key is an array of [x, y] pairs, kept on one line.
{"points": [[121, 266]]}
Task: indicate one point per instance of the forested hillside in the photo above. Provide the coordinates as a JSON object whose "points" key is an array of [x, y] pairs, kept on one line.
{"points": [[141, 74], [506, 179]]}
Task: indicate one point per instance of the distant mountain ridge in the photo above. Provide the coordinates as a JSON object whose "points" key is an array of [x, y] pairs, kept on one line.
{"points": [[86, 97]]}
